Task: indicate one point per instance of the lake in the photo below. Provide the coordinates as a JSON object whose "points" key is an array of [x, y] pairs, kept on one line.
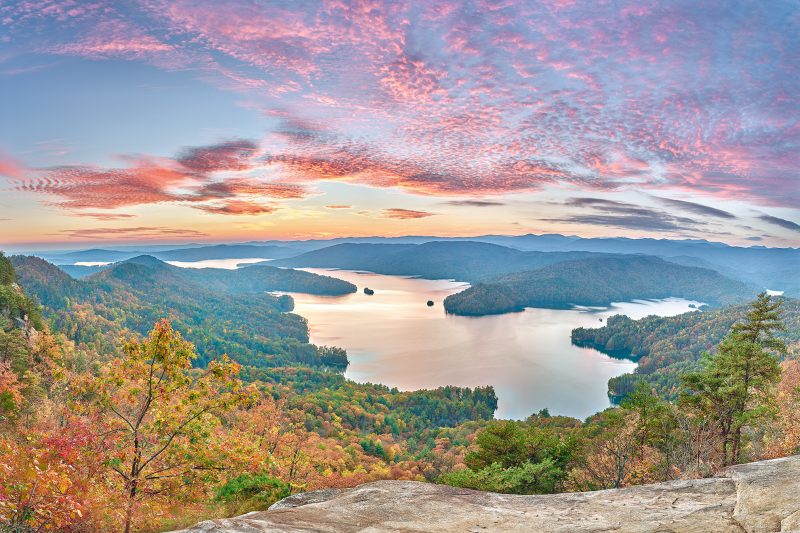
{"points": [[394, 338]]}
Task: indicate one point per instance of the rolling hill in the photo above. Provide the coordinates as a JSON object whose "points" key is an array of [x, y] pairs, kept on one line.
{"points": [[665, 347], [596, 281], [250, 325]]}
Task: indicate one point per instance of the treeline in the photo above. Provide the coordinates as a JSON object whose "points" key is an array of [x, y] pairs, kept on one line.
{"points": [[373, 408], [249, 279], [666, 347], [263, 278], [595, 282], [739, 404]]}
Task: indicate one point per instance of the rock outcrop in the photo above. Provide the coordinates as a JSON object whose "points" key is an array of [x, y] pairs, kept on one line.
{"points": [[757, 497]]}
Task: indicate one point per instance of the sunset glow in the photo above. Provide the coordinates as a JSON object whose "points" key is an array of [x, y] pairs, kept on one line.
{"points": [[190, 121]]}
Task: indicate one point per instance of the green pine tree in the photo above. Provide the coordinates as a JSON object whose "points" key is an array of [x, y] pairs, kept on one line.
{"points": [[735, 387]]}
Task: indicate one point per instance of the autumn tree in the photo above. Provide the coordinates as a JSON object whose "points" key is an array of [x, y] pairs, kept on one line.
{"points": [[784, 438], [735, 387], [161, 413], [611, 451]]}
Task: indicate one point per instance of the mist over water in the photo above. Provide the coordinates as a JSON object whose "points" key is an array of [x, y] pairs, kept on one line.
{"points": [[394, 338], [228, 264]]}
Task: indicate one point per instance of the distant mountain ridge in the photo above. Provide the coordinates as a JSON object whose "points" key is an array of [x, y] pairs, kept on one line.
{"points": [[767, 268], [461, 260], [596, 281], [198, 253]]}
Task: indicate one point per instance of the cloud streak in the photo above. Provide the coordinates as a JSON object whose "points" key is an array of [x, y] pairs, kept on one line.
{"points": [[215, 179], [475, 203], [132, 233], [696, 208], [612, 213], [786, 224], [405, 214]]}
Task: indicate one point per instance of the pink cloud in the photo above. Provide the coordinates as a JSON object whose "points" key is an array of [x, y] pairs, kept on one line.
{"points": [[192, 179], [456, 98], [134, 233], [237, 207], [103, 216], [10, 167], [115, 38], [404, 214], [229, 155]]}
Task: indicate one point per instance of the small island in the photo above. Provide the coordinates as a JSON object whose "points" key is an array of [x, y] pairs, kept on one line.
{"points": [[430, 303], [368, 291]]}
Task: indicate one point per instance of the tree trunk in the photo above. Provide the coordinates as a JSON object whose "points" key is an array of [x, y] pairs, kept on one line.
{"points": [[133, 485], [129, 507]]}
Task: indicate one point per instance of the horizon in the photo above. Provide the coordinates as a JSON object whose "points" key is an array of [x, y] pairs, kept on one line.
{"points": [[190, 121], [149, 246]]}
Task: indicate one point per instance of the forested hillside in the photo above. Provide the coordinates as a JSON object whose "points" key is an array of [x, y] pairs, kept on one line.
{"points": [[665, 347], [596, 281], [224, 251], [765, 267], [224, 440], [130, 297], [460, 260]]}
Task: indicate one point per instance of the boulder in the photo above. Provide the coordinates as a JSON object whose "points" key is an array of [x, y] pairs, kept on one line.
{"points": [[754, 498]]}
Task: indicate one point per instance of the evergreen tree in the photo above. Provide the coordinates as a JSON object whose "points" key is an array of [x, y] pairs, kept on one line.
{"points": [[7, 275], [735, 387]]}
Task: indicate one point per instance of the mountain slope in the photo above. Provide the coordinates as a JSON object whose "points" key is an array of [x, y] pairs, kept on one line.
{"points": [[251, 279], [98, 311], [193, 253], [596, 281], [768, 268]]}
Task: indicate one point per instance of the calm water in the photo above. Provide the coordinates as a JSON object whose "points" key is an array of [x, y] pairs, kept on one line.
{"points": [[229, 264], [393, 338]]}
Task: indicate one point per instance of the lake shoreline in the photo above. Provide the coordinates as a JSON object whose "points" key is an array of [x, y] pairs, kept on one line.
{"points": [[393, 338]]}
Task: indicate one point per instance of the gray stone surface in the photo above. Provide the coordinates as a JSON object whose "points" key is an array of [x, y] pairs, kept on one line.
{"points": [[753, 498]]}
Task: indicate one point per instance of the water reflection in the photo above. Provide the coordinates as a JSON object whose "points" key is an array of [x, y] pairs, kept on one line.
{"points": [[394, 338]]}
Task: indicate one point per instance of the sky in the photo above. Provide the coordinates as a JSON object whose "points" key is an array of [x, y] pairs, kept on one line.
{"points": [[200, 120]]}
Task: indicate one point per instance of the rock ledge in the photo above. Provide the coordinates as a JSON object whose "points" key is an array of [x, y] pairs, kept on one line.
{"points": [[757, 497]]}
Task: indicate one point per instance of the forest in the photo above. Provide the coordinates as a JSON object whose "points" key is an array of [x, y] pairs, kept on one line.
{"points": [[596, 281], [666, 347], [129, 407]]}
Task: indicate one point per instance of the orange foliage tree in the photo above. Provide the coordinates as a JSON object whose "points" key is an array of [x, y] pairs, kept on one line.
{"points": [[160, 414]]}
